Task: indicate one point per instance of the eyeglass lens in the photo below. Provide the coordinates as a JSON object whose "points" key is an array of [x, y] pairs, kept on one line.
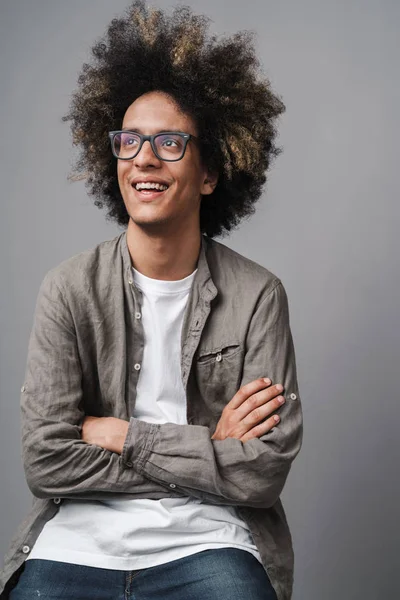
{"points": [[169, 146]]}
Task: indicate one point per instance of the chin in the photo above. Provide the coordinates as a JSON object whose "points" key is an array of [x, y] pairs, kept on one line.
{"points": [[149, 222]]}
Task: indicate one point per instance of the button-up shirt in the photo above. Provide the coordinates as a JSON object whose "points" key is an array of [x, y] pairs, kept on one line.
{"points": [[84, 356]]}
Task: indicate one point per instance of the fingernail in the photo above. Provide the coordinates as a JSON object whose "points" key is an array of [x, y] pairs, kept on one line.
{"points": [[267, 380], [276, 418], [279, 387]]}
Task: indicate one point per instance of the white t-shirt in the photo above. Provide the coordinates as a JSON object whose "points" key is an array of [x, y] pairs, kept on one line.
{"points": [[140, 533]]}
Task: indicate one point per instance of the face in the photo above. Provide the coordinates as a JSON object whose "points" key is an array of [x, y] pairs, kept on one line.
{"points": [[186, 179]]}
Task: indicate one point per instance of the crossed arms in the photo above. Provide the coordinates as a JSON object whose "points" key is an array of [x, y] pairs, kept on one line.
{"points": [[155, 458]]}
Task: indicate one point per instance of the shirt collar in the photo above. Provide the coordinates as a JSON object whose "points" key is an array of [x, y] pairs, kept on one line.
{"points": [[202, 282]]}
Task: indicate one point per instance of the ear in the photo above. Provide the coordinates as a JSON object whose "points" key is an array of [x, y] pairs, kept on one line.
{"points": [[209, 183]]}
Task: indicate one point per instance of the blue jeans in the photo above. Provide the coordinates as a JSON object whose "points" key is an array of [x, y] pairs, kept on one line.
{"points": [[216, 574]]}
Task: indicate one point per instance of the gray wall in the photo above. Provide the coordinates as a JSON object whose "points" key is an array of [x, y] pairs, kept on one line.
{"points": [[327, 225]]}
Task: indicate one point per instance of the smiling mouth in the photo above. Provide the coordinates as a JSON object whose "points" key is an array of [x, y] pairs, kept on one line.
{"points": [[149, 194]]}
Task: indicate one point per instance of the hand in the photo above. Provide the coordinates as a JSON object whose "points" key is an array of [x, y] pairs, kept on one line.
{"points": [[250, 405], [107, 432]]}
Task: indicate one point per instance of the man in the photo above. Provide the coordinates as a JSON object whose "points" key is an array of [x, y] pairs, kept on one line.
{"points": [[157, 360]]}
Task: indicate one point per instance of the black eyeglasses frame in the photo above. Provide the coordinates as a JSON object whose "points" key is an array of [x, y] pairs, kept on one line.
{"points": [[150, 138]]}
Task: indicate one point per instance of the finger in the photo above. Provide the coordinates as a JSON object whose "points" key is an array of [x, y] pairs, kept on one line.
{"points": [[260, 399], [261, 412], [261, 429], [247, 390]]}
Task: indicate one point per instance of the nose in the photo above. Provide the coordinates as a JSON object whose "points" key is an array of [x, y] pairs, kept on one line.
{"points": [[146, 156]]}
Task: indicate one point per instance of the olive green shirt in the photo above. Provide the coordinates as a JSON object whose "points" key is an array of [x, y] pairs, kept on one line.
{"points": [[84, 356]]}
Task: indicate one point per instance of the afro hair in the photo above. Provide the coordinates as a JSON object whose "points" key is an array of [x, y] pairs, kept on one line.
{"points": [[218, 83]]}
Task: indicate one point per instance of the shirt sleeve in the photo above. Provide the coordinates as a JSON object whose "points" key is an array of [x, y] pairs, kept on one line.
{"points": [[56, 461], [229, 471]]}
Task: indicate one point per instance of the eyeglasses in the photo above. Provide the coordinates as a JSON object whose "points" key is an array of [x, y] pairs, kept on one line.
{"points": [[169, 145]]}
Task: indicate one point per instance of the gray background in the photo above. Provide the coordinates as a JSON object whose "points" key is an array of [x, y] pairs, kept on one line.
{"points": [[327, 225]]}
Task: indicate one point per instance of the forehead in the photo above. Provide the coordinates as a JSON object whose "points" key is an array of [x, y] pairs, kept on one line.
{"points": [[157, 111]]}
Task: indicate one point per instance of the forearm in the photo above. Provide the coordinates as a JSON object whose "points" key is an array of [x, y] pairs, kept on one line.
{"points": [[57, 462], [216, 471], [228, 471], [77, 470]]}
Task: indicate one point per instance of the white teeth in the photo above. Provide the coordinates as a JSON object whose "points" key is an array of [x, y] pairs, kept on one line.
{"points": [[149, 186]]}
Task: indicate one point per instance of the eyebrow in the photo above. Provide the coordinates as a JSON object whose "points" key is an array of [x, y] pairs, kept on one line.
{"points": [[138, 130]]}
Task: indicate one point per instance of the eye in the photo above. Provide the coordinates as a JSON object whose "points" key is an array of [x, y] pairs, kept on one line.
{"points": [[128, 140], [169, 142]]}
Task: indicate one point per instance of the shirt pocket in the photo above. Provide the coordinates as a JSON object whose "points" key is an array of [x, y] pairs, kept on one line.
{"points": [[224, 352], [218, 373]]}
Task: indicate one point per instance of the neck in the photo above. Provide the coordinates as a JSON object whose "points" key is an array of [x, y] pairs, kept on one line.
{"points": [[166, 256]]}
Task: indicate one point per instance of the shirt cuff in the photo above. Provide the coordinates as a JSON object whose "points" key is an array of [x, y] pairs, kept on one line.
{"points": [[138, 443]]}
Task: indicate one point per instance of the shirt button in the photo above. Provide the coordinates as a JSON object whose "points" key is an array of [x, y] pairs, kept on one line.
{"points": [[137, 367], [25, 549], [130, 281], [172, 485], [57, 500], [129, 464], [219, 357], [293, 396], [137, 315], [23, 388]]}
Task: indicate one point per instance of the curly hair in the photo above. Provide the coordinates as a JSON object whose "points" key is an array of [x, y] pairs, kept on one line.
{"points": [[217, 83]]}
